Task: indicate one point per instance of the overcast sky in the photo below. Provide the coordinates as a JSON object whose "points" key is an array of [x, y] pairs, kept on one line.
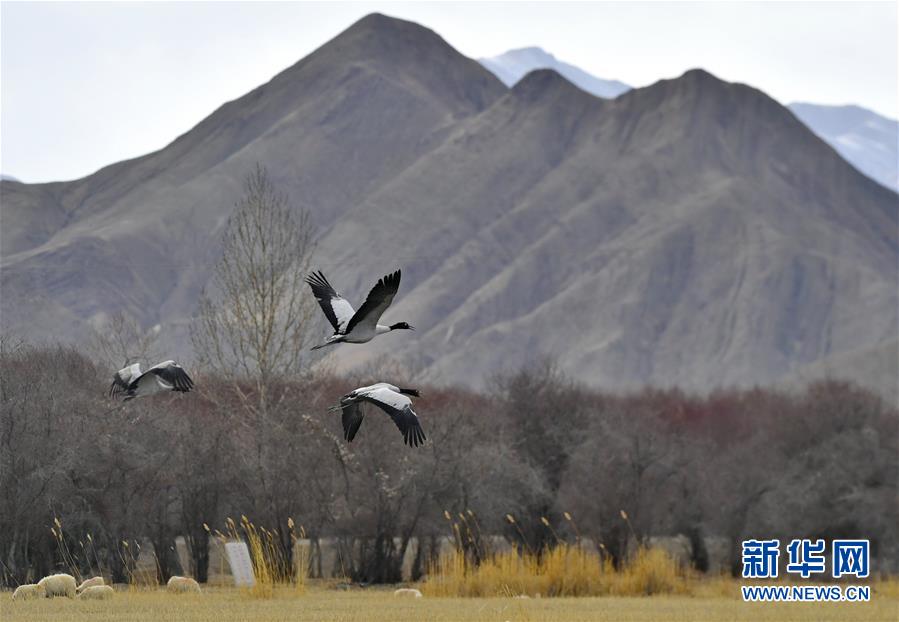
{"points": [[88, 84]]}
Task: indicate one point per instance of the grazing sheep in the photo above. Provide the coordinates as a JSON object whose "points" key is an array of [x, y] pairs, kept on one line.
{"points": [[29, 591], [181, 585], [59, 585], [408, 592], [97, 592], [90, 582]]}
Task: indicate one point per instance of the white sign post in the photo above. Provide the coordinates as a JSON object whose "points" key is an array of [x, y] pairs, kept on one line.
{"points": [[241, 565]]}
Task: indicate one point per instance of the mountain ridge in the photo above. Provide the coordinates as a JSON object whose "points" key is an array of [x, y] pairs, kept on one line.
{"points": [[865, 139], [512, 65], [671, 235]]}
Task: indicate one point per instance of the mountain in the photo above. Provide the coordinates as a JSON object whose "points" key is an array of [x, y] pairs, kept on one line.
{"points": [[867, 140], [512, 66], [692, 232], [5, 177], [138, 236]]}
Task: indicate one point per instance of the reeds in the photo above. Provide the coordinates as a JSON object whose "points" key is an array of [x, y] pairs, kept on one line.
{"points": [[272, 563], [650, 571], [73, 560], [62, 545], [562, 570], [278, 557]]}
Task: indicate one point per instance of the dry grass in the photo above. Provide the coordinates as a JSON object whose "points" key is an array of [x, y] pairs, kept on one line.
{"points": [[651, 571], [328, 605], [565, 570], [886, 588]]}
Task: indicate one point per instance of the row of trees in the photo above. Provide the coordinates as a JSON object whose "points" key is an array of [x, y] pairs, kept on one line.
{"points": [[735, 464], [256, 439]]}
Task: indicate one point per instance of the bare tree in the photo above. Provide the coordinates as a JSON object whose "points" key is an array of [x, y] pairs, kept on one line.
{"points": [[526, 398], [121, 341], [252, 333], [253, 322]]}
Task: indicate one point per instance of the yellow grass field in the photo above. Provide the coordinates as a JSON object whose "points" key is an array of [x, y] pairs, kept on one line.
{"points": [[322, 604]]}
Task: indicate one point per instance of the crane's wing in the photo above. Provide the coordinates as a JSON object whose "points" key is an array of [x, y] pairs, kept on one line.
{"points": [[379, 298], [122, 379], [399, 407], [337, 309], [352, 419], [170, 375]]}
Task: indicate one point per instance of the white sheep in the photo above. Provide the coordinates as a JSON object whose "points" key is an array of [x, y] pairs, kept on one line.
{"points": [[181, 585], [59, 585], [408, 592], [89, 583], [97, 592], [29, 591]]}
